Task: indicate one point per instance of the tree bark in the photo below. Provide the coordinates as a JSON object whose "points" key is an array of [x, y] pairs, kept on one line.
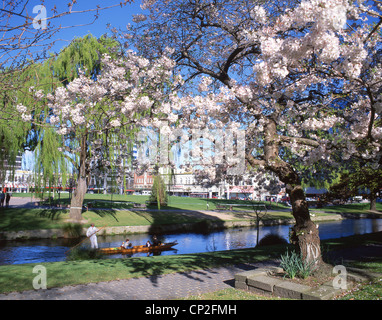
{"points": [[305, 232], [78, 199], [373, 200], [81, 186]]}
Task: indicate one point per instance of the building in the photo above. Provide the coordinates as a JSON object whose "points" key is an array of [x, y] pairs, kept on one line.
{"points": [[183, 183], [18, 181], [143, 182]]}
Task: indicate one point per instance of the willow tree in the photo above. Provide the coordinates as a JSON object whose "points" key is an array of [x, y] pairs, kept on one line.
{"points": [[26, 38], [158, 195], [17, 136], [83, 55]]}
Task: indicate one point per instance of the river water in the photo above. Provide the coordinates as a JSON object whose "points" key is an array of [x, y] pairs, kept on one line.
{"points": [[46, 250]]}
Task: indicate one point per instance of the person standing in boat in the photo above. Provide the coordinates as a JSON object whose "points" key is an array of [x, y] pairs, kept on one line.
{"points": [[156, 242], [91, 234]]}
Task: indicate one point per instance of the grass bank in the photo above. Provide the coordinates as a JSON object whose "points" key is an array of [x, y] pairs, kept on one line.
{"points": [[122, 214], [356, 208]]}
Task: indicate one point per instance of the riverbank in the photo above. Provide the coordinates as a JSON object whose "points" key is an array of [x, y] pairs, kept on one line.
{"points": [[25, 220], [142, 221]]}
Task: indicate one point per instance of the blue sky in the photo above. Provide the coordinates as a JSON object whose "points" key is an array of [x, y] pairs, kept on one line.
{"points": [[117, 17]]}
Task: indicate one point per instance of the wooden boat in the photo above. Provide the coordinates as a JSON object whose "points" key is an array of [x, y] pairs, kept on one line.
{"points": [[137, 249]]}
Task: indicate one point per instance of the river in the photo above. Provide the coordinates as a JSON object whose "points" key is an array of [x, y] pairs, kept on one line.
{"points": [[46, 250]]}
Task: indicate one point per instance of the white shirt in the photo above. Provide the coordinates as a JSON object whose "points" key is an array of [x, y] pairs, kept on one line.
{"points": [[91, 232]]}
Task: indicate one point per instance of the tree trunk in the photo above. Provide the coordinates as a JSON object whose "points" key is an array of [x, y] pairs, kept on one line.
{"points": [[304, 233], [78, 199], [373, 201], [81, 187]]}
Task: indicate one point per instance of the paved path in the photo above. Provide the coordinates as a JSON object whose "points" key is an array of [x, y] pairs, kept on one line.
{"points": [[21, 202], [161, 287]]}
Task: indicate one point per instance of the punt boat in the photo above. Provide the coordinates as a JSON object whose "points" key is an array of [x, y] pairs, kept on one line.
{"points": [[136, 249]]}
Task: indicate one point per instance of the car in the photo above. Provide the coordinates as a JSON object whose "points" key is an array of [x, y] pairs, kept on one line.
{"points": [[94, 189]]}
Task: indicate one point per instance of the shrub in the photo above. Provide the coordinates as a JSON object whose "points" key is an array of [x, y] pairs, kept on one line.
{"points": [[294, 265], [305, 268], [83, 253], [289, 262], [72, 230], [272, 239]]}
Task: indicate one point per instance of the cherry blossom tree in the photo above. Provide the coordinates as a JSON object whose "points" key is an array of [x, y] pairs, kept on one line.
{"points": [[93, 116], [301, 78]]}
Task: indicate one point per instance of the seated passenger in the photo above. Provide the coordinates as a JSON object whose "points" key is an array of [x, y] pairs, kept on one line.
{"points": [[127, 244]]}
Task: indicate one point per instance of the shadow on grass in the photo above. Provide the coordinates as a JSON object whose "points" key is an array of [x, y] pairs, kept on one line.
{"points": [[50, 214], [106, 213], [361, 248], [153, 267], [28, 219]]}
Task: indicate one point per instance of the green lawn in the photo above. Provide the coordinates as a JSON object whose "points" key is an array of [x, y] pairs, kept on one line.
{"points": [[31, 219], [118, 201], [350, 208], [366, 291]]}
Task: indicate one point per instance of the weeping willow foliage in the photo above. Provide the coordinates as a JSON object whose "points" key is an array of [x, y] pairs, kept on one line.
{"points": [[11, 145], [118, 154], [158, 192], [48, 164], [83, 53], [16, 135], [51, 167]]}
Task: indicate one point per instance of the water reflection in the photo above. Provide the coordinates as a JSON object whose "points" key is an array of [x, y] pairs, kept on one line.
{"points": [[16, 252]]}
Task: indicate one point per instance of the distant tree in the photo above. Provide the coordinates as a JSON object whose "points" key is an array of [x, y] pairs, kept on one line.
{"points": [[361, 178], [365, 177], [341, 190], [158, 192]]}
